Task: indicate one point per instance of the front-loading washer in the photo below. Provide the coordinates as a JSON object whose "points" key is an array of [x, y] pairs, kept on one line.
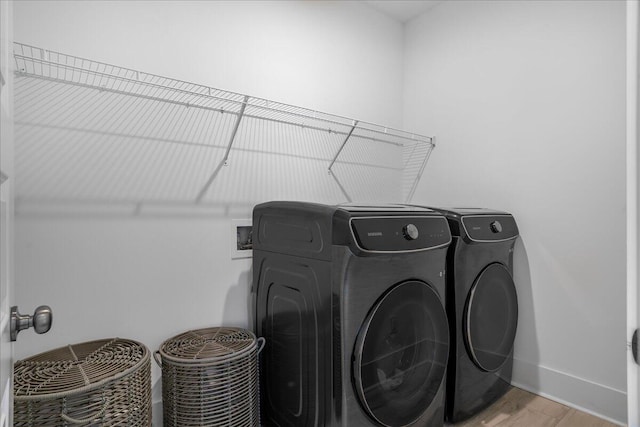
{"points": [[350, 300], [482, 306]]}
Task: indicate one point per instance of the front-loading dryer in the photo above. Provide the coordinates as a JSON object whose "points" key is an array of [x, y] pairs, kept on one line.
{"points": [[482, 305], [350, 300]]}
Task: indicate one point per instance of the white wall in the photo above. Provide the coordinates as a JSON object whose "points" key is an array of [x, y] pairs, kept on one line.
{"points": [[527, 100], [149, 278]]}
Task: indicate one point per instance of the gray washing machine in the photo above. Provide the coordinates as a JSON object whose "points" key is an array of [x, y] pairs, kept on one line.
{"points": [[350, 300], [482, 305]]}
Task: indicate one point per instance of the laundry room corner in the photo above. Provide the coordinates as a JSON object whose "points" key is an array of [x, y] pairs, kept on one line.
{"points": [[528, 102], [148, 134]]}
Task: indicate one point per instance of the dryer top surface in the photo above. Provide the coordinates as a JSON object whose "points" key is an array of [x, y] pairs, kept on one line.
{"points": [[470, 211]]}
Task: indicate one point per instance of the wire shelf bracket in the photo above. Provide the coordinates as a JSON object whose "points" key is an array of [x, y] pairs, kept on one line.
{"points": [[346, 139], [225, 160], [421, 170]]}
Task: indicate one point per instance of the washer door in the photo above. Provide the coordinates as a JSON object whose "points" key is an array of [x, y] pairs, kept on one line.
{"points": [[401, 354], [491, 318]]}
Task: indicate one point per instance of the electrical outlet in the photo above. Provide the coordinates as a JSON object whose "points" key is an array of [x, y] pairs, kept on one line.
{"points": [[241, 238], [244, 239]]}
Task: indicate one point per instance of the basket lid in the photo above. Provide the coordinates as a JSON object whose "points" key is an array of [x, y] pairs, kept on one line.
{"points": [[77, 367], [211, 344]]}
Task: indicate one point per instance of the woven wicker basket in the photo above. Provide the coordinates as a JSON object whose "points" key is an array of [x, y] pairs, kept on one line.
{"points": [[98, 383], [210, 378]]}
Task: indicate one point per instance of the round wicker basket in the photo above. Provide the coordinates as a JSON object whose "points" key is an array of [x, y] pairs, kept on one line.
{"points": [[105, 382], [210, 378]]}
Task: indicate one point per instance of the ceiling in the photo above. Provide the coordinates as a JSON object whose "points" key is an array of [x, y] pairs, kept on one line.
{"points": [[403, 10]]}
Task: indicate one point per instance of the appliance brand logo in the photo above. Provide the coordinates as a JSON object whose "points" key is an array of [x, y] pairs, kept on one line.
{"points": [[374, 233]]}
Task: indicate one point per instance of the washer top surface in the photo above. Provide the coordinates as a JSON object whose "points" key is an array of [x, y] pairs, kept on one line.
{"points": [[385, 208]]}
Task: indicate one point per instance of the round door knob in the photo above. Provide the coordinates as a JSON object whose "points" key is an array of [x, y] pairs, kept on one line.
{"points": [[410, 232], [42, 319], [496, 227]]}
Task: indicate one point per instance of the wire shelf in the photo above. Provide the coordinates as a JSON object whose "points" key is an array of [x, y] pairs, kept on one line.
{"points": [[90, 131]]}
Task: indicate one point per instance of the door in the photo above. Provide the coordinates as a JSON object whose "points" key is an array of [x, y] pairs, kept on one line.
{"points": [[490, 318], [401, 354], [6, 209], [633, 225]]}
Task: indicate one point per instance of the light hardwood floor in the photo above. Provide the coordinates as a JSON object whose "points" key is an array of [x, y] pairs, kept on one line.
{"points": [[519, 408]]}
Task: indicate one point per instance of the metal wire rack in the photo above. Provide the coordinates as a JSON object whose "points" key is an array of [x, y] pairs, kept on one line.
{"points": [[88, 131]]}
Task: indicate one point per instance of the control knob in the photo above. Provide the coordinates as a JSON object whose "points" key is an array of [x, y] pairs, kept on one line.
{"points": [[410, 232]]}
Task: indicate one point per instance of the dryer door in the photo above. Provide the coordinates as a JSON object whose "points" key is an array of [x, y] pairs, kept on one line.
{"points": [[401, 353], [491, 317]]}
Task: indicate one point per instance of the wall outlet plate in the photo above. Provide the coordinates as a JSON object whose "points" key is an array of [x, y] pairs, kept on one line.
{"points": [[241, 238]]}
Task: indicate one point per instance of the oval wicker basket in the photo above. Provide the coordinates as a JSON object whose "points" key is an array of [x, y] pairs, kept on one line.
{"points": [[98, 383], [210, 378]]}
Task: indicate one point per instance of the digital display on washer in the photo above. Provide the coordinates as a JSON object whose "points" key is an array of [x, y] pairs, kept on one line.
{"points": [[400, 233]]}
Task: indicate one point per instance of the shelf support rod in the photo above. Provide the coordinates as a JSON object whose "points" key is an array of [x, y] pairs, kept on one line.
{"points": [[225, 159], [346, 139], [340, 186], [432, 144]]}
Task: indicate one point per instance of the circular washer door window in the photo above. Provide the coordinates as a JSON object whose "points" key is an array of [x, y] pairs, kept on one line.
{"points": [[491, 318], [401, 354]]}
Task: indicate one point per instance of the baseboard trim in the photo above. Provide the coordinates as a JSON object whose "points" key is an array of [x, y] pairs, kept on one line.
{"points": [[587, 396], [156, 417]]}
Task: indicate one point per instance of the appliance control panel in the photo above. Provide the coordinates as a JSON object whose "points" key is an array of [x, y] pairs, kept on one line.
{"points": [[400, 233], [490, 228]]}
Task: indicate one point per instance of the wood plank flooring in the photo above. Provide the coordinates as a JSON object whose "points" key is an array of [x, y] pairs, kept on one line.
{"points": [[519, 408]]}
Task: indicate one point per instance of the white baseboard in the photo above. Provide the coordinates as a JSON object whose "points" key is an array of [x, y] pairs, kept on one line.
{"points": [[156, 417], [587, 396]]}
